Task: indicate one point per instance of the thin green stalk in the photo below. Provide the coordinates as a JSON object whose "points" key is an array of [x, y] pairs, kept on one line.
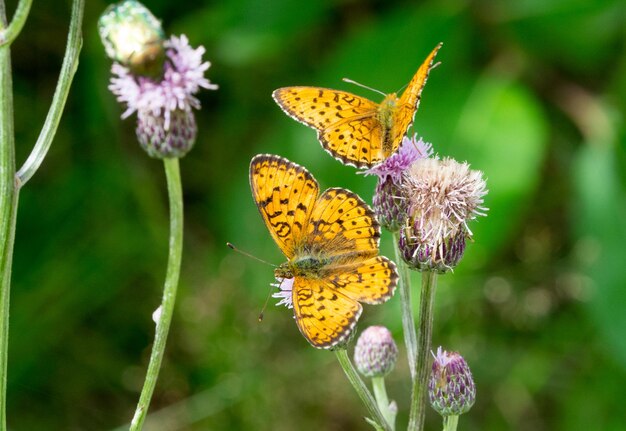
{"points": [[9, 182], [424, 335], [450, 423], [8, 209], [68, 69], [361, 389], [174, 189], [380, 393], [408, 322], [9, 33]]}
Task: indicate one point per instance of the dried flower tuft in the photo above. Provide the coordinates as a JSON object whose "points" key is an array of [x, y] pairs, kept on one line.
{"points": [[443, 195]]}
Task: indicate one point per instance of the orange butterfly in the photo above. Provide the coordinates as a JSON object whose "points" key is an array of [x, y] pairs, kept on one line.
{"points": [[331, 243], [355, 130]]}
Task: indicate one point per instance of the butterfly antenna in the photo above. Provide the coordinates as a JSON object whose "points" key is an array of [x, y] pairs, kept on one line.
{"points": [[269, 295], [350, 81], [232, 247]]}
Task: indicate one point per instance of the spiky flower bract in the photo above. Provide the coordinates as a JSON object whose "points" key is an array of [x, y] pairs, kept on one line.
{"points": [[375, 353], [451, 388]]}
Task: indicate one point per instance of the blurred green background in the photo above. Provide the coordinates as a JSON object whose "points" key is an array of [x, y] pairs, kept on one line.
{"points": [[531, 92]]}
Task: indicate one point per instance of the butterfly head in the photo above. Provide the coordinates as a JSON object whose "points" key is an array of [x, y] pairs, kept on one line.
{"points": [[283, 271]]}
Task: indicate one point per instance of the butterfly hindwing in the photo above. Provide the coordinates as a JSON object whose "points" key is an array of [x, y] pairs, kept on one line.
{"points": [[371, 281], [285, 194], [324, 316]]}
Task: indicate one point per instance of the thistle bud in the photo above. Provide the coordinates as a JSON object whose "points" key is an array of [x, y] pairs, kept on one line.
{"points": [[133, 37], [375, 353], [163, 139], [451, 387]]}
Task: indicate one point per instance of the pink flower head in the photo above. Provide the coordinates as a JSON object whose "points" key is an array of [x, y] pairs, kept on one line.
{"points": [[410, 150], [285, 286], [183, 76]]}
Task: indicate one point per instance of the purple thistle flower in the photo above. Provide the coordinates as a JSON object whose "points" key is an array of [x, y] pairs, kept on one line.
{"points": [[390, 203], [443, 195], [395, 165], [183, 76], [166, 125]]}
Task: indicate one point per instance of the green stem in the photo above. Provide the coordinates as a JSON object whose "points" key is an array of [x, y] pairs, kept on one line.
{"points": [[408, 322], [450, 423], [9, 33], [424, 335], [68, 69], [174, 189], [8, 209], [361, 389], [380, 393]]}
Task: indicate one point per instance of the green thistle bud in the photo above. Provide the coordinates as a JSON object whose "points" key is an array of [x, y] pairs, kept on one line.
{"points": [[375, 353], [451, 387], [165, 137], [133, 37]]}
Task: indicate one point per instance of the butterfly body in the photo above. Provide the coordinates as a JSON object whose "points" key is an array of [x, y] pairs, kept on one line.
{"points": [[353, 129], [386, 116], [331, 244]]}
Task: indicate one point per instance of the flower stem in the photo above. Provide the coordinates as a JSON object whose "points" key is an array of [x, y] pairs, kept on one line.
{"points": [[174, 189], [408, 322], [361, 389], [68, 69], [380, 393], [8, 34], [424, 334], [9, 193], [450, 423]]}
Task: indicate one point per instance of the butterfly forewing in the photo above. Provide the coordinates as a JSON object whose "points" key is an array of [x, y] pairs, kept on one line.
{"points": [[410, 100], [345, 123], [285, 194], [341, 225]]}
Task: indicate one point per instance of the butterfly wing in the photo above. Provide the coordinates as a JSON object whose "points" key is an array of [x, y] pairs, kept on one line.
{"points": [[372, 281], [285, 194], [342, 228], [410, 100], [347, 125], [325, 316]]}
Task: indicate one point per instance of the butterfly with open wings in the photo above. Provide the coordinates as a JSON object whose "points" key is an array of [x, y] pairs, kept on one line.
{"points": [[353, 129]]}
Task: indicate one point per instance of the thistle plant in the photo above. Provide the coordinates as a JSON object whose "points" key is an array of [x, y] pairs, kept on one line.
{"points": [[11, 181], [157, 78]]}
